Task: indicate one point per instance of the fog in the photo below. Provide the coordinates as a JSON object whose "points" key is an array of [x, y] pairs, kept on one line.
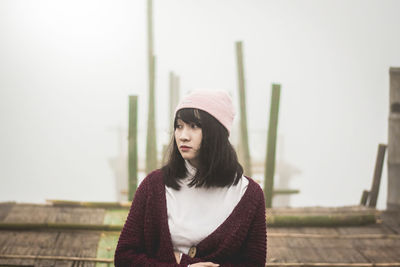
{"points": [[67, 68]]}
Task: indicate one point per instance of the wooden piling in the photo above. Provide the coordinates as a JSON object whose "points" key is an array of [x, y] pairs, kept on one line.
{"points": [[373, 195], [393, 197], [132, 147], [271, 145], [173, 97], [151, 143], [364, 198], [171, 92], [244, 151]]}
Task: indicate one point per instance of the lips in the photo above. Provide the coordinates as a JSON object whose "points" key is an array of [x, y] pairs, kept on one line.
{"points": [[185, 148]]}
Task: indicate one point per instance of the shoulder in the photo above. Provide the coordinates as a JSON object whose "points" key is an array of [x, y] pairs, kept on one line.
{"points": [[155, 176], [150, 184], [255, 189], [152, 181]]}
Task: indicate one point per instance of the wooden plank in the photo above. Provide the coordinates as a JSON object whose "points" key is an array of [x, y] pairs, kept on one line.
{"points": [[337, 255], [90, 204], [376, 243], [283, 230], [367, 229], [19, 244], [48, 243], [49, 214], [318, 230], [5, 208], [328, 244], [313, 255], [108, 240], [382, 254], [323, 210], [115, 217], [107, 245], [391, 220], [59, 227], [329, 220], [288, 242], [41, 258]]}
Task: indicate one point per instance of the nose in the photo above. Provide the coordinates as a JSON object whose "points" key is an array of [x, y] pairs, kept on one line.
{"points": [[184, 134]]}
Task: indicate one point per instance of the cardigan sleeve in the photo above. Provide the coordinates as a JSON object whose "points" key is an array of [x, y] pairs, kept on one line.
{"points": [[130, 248], [254, 249]]}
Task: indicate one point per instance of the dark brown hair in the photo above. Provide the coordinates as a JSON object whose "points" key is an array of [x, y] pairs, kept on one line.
{"points": [[218, 163]]}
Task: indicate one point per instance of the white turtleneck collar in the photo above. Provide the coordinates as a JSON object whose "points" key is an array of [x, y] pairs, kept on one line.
{"points": [[191, 170]]}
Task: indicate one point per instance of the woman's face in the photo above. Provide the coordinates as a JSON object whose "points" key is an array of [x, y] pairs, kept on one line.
{"points": [[188, 138]]}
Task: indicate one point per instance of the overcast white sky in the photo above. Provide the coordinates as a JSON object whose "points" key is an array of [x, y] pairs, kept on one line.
{"points": [[67, 68]]}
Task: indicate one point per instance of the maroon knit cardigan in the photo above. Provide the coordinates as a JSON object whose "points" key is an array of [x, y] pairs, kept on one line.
{"points": [[145, 240]]}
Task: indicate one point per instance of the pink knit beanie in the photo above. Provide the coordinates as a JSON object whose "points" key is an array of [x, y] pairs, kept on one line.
{"points": [[216, 103]]}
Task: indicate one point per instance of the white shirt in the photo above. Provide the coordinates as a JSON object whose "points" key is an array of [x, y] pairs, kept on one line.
{"points": [[194, 213]]}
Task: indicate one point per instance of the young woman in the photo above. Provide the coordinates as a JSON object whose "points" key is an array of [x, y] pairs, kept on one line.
{"points": [[198, 210]]}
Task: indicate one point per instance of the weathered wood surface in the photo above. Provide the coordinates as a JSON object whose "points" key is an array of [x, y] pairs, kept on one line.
{"points": [[48, 243], [322, 210], [391, 220], [71, 218], [5, 208], [49, 214], [320, 216], [377, 243]]}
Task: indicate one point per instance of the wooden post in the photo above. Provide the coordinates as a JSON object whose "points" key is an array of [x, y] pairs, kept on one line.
{"points": [[132, 147], [173, 103], [176, 91], [244, 152], [393, 198], [173, 97], [373, 195], [271, 145], [171, 92], [364, 198], [151, 144]]}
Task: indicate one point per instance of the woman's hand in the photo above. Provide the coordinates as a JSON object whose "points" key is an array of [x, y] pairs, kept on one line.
{"points": [[199, 264], [204, 264]]}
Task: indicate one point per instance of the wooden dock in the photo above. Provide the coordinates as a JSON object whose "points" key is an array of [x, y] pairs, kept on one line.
{"points": [[85, 234]]}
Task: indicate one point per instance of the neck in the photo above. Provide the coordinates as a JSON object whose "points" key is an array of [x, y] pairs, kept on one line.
{"points": [[194, 163]]}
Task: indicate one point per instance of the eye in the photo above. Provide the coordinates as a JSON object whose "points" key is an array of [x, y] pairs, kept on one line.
{"points": [[179, 126], [194, 126]]}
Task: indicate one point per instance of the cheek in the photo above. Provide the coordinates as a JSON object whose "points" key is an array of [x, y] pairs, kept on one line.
{"points": [[199, 139]]}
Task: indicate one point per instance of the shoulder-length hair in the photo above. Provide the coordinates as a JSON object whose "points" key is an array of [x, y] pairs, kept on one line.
{"points": [[218, 163]]}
